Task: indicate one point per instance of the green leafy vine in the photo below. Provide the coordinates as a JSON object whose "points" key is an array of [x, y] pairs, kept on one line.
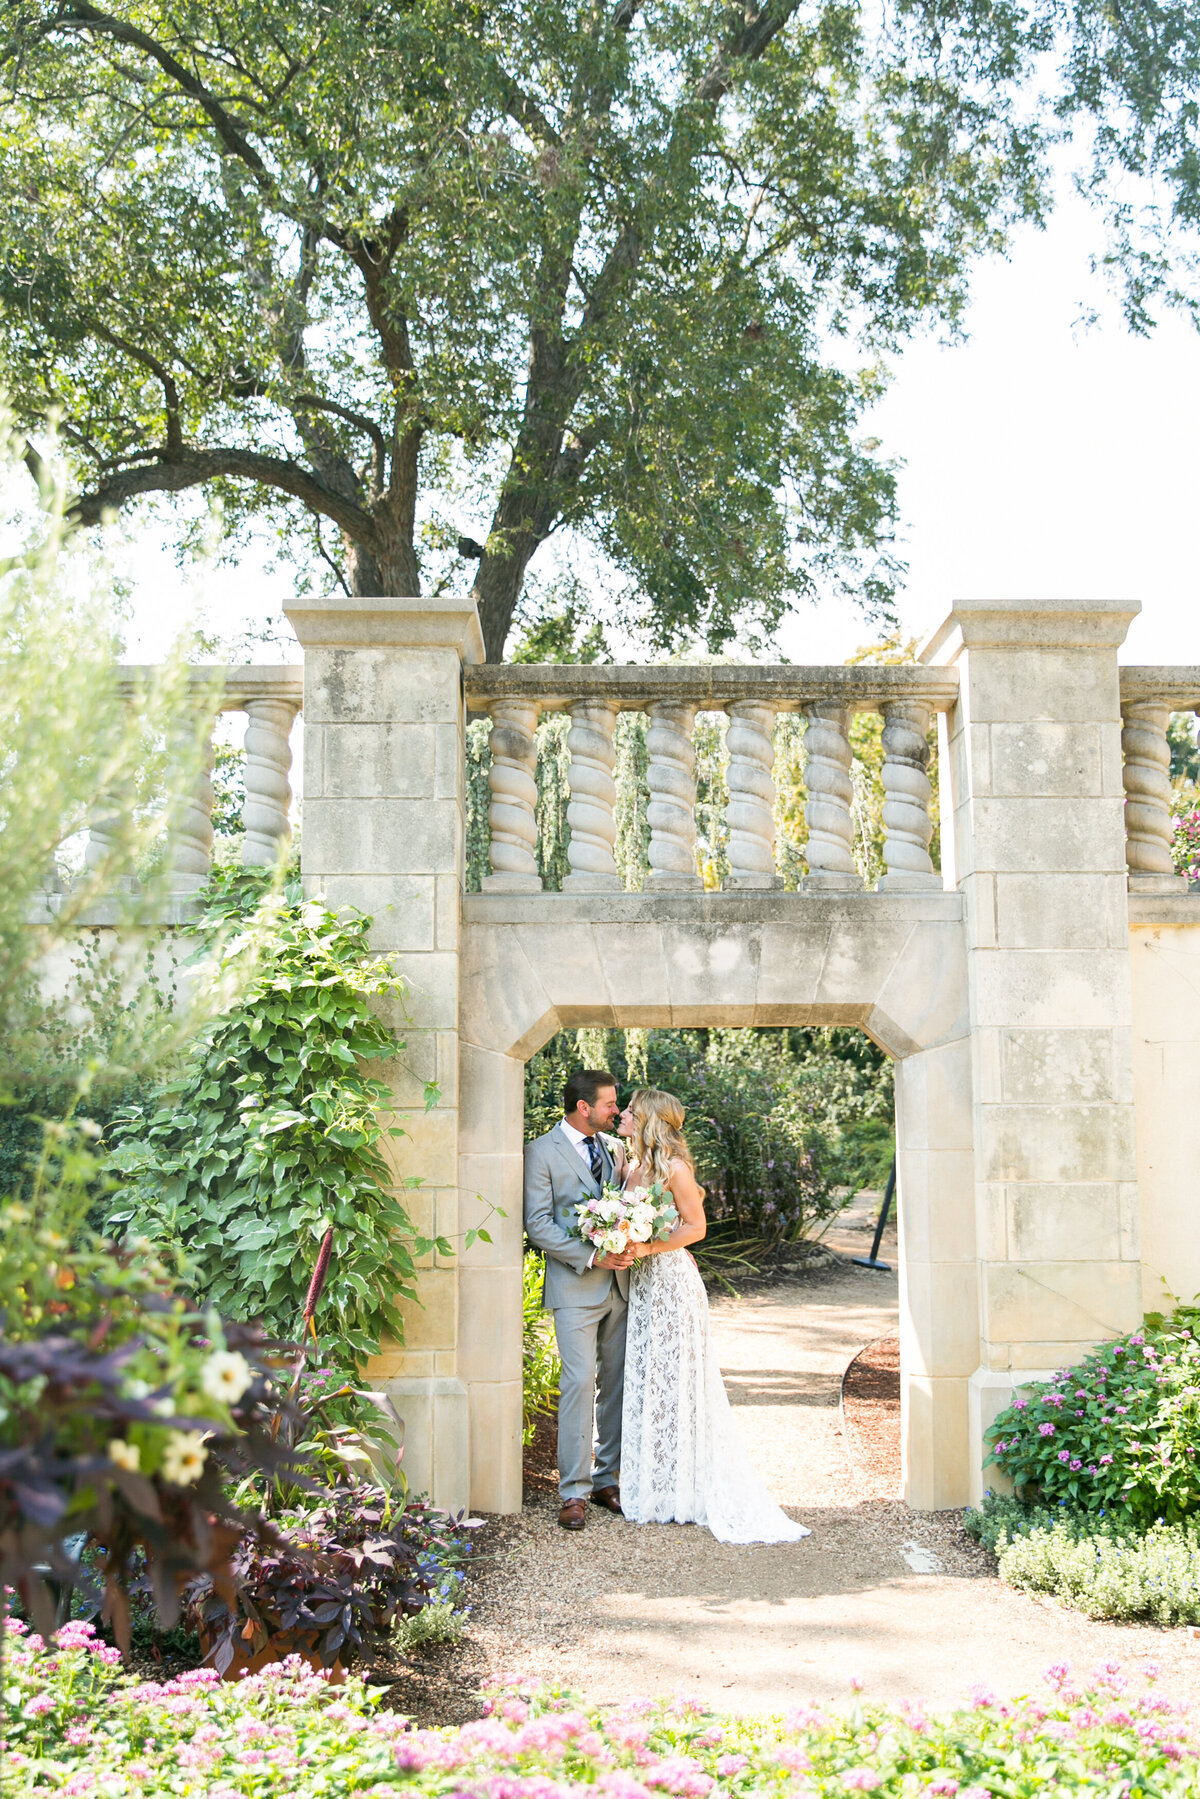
{"points": [[267, 1134]]}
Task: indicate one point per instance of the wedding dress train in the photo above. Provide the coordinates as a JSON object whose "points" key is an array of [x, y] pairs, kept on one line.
{"points": [[682, 1455]]}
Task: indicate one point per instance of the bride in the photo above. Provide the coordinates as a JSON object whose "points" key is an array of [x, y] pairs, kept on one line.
{"points": [[682, 1457]]}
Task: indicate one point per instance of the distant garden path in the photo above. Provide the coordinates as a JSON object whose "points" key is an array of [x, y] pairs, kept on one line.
{"points": [[623, 1610]]}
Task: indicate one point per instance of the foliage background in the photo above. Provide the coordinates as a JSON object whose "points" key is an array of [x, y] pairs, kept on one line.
{"points": [[781, 1122]]}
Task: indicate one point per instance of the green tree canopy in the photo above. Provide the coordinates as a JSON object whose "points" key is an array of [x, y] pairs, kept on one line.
{"points": [[428, 281]]}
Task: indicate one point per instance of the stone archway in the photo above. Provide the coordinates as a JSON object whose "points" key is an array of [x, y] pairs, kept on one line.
{"points": [[538, 964]]}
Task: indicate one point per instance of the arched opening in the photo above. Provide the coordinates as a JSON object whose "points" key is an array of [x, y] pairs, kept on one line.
{"points": [[745, 963], [789, 1126]]}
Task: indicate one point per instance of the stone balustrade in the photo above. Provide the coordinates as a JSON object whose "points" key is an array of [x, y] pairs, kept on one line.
{"points": [[517, 696], [1149, 696], [271, 697]]}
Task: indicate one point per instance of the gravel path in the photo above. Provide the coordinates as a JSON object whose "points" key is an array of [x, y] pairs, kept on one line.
{"points": [[902, 1600]]}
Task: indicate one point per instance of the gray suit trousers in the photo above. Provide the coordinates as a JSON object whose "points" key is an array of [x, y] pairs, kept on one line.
{"points": [[591, 1345]]}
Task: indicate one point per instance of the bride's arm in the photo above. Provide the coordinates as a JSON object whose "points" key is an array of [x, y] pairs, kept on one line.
{"points": [[689, 1203]]}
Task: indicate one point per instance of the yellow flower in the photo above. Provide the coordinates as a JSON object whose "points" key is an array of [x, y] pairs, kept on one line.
{"points": [[125, 1455], [184, 1458]]}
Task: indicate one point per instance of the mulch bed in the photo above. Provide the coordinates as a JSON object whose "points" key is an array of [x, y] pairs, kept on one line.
{"points": [[871, 1410], [541, 1456]]}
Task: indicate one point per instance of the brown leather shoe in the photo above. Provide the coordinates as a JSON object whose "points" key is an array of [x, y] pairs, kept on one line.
{"points": [[609, 1498], [573, 1515]]}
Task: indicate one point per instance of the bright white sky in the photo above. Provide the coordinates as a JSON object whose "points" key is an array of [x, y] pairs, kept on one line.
{"points": [[1041, 461]]}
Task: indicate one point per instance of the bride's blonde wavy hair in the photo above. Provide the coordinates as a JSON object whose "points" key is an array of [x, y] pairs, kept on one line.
{"points": [[658, 1137]]}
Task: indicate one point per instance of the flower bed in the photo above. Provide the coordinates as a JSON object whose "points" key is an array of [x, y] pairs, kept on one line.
{"points": [[75, 1725], [1116, 1435]]}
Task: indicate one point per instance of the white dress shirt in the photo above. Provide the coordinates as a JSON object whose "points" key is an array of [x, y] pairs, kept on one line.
{"points": [[579, 1144]]}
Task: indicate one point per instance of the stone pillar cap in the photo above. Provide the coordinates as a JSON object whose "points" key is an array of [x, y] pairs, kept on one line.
{"points": [[1029, 624], [350, 621]]}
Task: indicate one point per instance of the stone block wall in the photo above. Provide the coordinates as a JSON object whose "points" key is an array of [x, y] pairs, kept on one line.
{"points": [[1042, 1073], [1039, 847], [383, 831]]}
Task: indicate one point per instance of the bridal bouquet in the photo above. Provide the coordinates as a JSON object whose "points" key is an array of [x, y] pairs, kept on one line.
{"points": [[622, 1216]]}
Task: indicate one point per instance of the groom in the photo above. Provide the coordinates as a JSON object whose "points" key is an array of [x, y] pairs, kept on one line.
{"points": [[586, 1292]]}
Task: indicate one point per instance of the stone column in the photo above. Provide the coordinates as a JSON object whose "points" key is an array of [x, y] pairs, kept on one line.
{"points": [[591, 813], [384, 772], [1037, 797], [265, 820], [512, 814], [1149, 827], [672, 809], [907, 825], [189, 825], [751, 797], [827, 760]]}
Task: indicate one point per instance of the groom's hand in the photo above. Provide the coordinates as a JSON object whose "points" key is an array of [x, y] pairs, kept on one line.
{"points": [[616, 1261]]}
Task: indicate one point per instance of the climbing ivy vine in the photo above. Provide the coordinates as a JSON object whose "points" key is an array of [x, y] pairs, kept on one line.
{"points": [[267, 1135]]}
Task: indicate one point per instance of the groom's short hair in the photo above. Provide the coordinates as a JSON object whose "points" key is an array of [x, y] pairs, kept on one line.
{"points": [[584, 1085]]}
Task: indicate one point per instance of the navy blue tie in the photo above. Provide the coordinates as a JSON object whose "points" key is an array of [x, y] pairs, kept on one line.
{"points": [[597, 1160]]}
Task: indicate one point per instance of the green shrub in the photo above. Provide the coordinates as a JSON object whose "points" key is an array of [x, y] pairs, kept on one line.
{"points": [[433, 1625], [1116, 1435], [1100, 1566], [268, 1135], [541, 1369]]}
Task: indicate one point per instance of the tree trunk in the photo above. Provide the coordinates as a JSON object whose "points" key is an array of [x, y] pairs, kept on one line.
{"points": [[387, 568], [497, 589]]}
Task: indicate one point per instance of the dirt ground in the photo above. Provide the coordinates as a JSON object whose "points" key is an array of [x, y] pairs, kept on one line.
{"points": [[903, 1601]]}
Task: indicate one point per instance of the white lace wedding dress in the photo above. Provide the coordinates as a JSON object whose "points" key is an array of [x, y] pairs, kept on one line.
{"points": [[682, 1455]]}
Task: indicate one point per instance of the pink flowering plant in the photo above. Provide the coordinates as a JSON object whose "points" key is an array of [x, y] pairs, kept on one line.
{"points": [[1185, 850], [1116, 1435], [74, 1724]]}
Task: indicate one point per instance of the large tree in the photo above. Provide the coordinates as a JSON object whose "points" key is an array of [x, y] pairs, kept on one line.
{"points": [[430, 280]]}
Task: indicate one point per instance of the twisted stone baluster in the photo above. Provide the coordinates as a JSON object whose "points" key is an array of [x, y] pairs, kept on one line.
{"points": [[1148, 826], [590, 813], [672, 808], [104, 833], [827, 758], [268, 798], [751, 812], [907, 792], [512, 813], [189, 826]]}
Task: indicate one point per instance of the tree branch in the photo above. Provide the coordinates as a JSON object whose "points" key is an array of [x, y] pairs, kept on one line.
{"points": [[193, 467], [525, 110], [746, 46], [161, 374], [90, 18]]}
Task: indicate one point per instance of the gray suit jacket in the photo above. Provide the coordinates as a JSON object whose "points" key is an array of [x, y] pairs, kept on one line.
{"points": [[556, 1181]]}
